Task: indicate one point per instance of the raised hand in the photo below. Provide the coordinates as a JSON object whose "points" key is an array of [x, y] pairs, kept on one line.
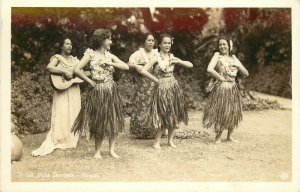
{"points": [[237, 63]]}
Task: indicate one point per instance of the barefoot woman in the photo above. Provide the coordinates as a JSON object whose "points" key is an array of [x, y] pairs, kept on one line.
{"points": [[102, 113], [223, 109], [167, 107], [143, 88]]}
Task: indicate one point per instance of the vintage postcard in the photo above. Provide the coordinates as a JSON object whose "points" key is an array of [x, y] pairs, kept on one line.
{"points": [[150, 95]]}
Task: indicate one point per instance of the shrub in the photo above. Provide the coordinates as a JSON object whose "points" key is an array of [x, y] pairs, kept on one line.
{"points": [[31, 102], [272, 79]]}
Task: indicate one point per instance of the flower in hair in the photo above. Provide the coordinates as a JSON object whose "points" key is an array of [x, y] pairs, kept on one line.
{"points": [[230, 45]]}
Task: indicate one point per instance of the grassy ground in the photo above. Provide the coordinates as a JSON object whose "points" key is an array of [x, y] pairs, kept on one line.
{"points": [[263, 154]]}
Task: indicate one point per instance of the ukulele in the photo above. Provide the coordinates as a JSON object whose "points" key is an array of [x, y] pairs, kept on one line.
{"points": [[59, 82]]}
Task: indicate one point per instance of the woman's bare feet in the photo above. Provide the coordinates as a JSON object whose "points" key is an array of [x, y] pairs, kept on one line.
{"points": [[156, 146], [218, 138], [172, 144], [218, 141], [229, 137], [114, 155], [232, 140], [97, 155]]}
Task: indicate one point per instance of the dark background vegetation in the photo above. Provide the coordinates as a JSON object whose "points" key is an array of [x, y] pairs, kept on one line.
{"points": [[261, 36]]}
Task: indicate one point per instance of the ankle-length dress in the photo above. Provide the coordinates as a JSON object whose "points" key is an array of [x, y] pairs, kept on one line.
{"points": [[102, 112], [141, 97], [168, 107], [65, 108], [223, 109]]}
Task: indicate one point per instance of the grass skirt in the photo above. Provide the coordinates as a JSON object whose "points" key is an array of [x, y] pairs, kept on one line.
{"points": [[102, 113], [167, 107], [223, 109]]}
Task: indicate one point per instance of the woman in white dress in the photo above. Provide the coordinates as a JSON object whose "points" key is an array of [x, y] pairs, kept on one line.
{"points": [[65, 106]]}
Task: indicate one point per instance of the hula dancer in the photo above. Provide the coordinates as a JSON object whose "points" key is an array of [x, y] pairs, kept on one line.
{"points": [[223, 109], [102, 113], [168, 106], [143, 88]]}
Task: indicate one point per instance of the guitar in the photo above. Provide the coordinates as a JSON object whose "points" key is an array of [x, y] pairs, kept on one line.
{"points": [[60, 83]]}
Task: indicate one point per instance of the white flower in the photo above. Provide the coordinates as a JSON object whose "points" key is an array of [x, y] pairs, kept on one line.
{"points": [[230, 45]]}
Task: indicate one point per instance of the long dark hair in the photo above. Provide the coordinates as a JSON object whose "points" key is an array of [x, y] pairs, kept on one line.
{"points": [[238, 78], [227, 39], [98, 37]]}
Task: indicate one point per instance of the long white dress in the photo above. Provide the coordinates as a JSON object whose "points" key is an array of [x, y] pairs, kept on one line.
{"points": [[65, 108]]}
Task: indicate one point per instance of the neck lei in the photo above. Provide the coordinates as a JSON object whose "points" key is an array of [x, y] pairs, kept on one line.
{"points": [[102, 54], [146, 54], [227, 60]]}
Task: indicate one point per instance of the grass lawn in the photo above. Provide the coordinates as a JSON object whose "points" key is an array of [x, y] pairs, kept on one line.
{"points": [[264, 153]]}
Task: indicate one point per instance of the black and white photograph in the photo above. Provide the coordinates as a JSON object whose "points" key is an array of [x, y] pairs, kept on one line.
{"points": [[149, 96]]}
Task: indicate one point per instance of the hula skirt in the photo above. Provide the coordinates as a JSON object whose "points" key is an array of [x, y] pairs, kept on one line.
{"points": [[168, 107], [223, 109], [102, 113]]}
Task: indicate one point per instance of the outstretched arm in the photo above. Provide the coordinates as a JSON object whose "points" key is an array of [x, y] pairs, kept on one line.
{"points": [[145, 70], [117, 63], [133, 65], [182, 63], [78, 72]]}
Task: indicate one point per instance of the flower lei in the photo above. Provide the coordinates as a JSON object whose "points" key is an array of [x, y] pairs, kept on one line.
{"points": [[165, 65]]}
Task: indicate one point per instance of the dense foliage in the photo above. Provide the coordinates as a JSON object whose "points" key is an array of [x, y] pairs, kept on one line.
{"points": [[263, 42], [266, 52]]}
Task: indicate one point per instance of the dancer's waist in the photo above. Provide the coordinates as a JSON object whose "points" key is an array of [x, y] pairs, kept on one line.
{"points": [[167, 80], [169, 76], [100, 81]]}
